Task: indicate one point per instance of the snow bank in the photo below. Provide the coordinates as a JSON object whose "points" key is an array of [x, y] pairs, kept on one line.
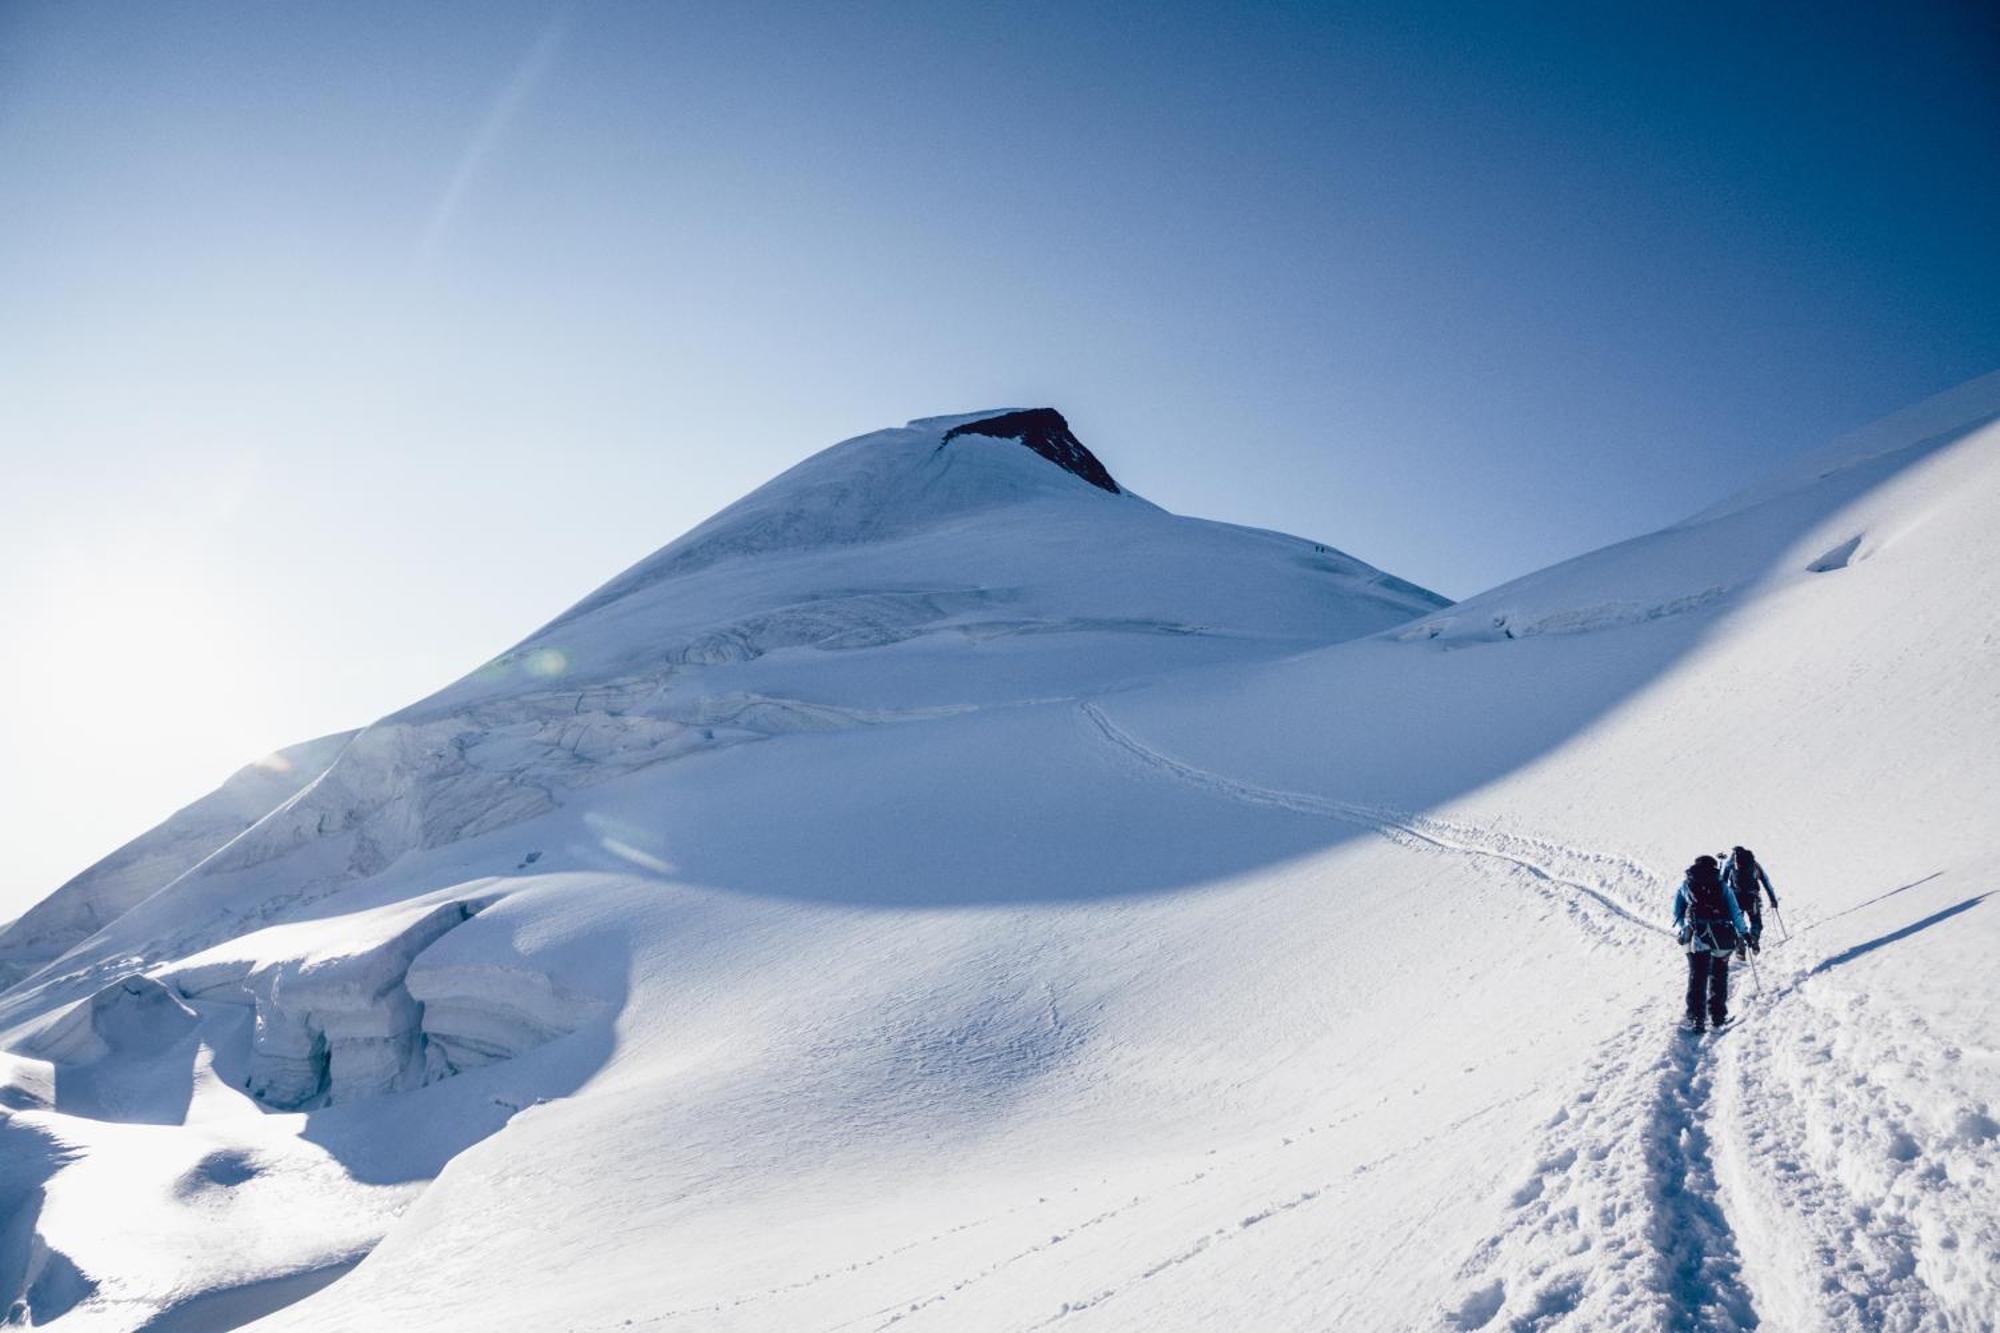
{"points": [[356, 1006], [340, 1023], [475, 1013], [133, 1015]]}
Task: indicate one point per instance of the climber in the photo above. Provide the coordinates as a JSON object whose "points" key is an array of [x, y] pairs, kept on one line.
{"points": [[1710, 927], [1741, 875]]}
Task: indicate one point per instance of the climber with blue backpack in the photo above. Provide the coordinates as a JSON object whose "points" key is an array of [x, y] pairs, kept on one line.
{"points": [[1710, 927]]}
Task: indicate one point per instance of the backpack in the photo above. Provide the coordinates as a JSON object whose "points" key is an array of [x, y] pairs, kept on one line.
{"points": [[1708, 911], [1743, 867]]}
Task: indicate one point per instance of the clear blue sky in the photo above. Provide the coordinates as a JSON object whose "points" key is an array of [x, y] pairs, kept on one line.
{"points": [[344, 343]]}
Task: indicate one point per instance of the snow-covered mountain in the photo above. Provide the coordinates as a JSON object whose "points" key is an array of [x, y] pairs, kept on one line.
{"points": [[944, 890], [957, 564], [956, 568]]}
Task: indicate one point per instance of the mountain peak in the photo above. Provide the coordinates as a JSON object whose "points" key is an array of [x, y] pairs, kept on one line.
{"points": [[1043, 430]]}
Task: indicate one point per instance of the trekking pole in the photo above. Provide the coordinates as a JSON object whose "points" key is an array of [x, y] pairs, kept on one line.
{"points": [[1781, 922], [1756, 980]]}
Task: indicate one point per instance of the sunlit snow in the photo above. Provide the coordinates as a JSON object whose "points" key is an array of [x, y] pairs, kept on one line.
{"points": [[939, 892]]}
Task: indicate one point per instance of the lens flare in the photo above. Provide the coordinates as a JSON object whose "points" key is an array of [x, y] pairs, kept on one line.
{"points": [[546, 662]]}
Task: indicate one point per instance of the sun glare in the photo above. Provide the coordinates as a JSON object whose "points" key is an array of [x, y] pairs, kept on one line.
{"points": [[154, 654]]}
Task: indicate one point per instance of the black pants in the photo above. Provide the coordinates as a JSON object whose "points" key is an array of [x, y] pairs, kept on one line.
{"points": [[1708, 972]]}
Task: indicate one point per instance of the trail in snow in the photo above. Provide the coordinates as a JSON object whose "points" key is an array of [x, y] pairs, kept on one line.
{"points": [[1229, 1229], [1627, 885], [1786, 1170], [1826, 1163], [1215, 1170], [1704, 1287], [1864, 1159], [1620, 1222]]}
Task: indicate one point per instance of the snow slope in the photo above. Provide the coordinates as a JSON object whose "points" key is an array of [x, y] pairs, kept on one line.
{"points": [[1811, 670], [903, 576], [943, 892], [112, 886], [318, 947]]}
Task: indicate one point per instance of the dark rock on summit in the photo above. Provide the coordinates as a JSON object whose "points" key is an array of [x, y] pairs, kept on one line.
{"points": [[1043, 430]]}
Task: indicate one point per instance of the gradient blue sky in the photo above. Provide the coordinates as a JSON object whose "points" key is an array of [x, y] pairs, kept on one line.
{"points": [[345, 343]]}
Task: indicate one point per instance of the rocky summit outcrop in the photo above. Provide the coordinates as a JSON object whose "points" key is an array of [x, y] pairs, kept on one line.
{"points": [[1043, 430]]}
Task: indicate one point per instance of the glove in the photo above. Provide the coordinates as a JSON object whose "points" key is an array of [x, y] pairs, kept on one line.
{"points": [[1742, 950], [1687, 933]]}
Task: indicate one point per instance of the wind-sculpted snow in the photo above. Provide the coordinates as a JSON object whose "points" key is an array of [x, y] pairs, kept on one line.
{"points": [[377, 1003], [228, 1210], [340, 1023], [476, 1012], [340, 1009], [135, 1014]]}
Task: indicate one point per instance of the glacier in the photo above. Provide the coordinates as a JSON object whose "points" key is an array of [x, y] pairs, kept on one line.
{"points": [[945, 890]]}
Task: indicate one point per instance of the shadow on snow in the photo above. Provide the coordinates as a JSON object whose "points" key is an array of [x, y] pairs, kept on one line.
{"points": [[1846, 956], [1021, 805]]}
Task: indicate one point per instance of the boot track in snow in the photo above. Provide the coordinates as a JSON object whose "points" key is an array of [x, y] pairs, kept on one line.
{"points": [[1624, 879], [1620, 1222]]}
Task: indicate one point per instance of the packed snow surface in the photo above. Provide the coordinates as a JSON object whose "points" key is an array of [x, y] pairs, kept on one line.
{"points": [[943, 891]]}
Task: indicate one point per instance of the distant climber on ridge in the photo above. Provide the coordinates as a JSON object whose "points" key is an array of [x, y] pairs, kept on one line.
{"points": [[1711, 927], [1741, 874]]}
